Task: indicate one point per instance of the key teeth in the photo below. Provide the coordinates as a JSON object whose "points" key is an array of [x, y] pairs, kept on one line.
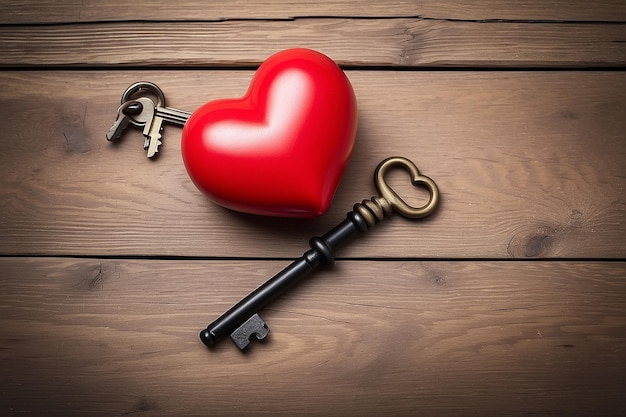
{"points": [[156, 148], [113, 133], [254, 326], [153, 152]]}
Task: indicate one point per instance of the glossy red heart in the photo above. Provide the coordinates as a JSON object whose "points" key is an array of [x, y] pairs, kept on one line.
{"points": [[281, 149]]}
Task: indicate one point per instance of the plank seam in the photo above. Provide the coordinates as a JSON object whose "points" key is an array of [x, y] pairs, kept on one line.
{"points": [[289, 259], [369, 68], [317, 17]]}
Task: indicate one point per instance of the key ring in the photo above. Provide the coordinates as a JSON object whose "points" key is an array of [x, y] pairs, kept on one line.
{"points": [[134, 89]]}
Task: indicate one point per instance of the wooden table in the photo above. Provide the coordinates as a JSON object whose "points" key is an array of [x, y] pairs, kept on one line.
{"points": [[510, 300]]}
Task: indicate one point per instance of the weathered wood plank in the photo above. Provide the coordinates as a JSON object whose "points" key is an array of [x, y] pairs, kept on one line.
{"points": [[47, 11], [354, 42], [116, 337], [530, 164]]}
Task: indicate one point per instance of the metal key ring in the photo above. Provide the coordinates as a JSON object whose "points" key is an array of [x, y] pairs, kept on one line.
{"points": [[134, 91]]}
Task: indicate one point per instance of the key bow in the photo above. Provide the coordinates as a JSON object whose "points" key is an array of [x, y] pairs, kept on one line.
{"points": [[395, 201]]}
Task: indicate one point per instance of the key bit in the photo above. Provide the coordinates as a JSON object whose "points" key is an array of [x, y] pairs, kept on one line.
{"points": [[254, 326], [153, 146], [154, 136], [242, 320]]}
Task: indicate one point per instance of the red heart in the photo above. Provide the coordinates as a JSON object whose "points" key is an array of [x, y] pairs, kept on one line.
{"points": [[281, 149]]}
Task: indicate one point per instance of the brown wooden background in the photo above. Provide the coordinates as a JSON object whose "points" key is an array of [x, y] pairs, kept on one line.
{"points": [[510, 300]]}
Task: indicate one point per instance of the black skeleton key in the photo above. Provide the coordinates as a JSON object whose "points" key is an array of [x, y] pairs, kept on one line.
{"points": [[242, 321]]}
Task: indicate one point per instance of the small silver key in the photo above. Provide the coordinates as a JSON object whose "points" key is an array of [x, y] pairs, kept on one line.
{"points": [[124, 113], [161, 115]]}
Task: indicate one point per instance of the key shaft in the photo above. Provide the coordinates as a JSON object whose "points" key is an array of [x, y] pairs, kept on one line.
{"points": [[322, 252], [173, 116]]}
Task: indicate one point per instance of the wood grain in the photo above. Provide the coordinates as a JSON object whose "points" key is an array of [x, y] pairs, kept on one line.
{"points": [[411, 42], [110, 264], [118, 337], [48, 11], [530, 164]]}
